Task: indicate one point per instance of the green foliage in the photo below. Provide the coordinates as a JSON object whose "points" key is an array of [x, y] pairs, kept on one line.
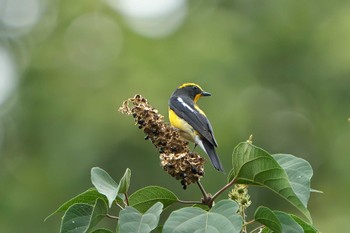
{"points": [[83, 217], [88, 197], [102, 231], [132, 221], [76, 219], [222, 217], [104, 184], [254, 166], [266, 217], [144, 198], [278, 221], [299, 174], [284, 174], [124, 183]]}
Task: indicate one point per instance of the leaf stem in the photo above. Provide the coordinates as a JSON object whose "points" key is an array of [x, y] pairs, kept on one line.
{"points": [[121, 207], [111, 216], [247, 223], [126, 199], [189, 202], [244, 227], [258, 228]]}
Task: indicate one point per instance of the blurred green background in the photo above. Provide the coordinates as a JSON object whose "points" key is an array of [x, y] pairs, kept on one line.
{"points": [[279, 70]]}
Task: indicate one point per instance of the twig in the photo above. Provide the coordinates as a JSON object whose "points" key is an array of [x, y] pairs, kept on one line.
{"points": [[205, 194], [222, 189]]}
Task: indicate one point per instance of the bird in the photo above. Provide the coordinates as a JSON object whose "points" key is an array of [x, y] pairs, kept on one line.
{"points": [[191, 121]]}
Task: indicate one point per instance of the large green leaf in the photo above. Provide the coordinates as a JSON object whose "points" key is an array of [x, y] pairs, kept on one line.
{"points": [[299, 173], [268, 218], [144, 198], [253, 165], [132, 221], [278, 222], [124, 183], [80, 218], [104, 184], [87, 197], [229, 209], [221, 218]]}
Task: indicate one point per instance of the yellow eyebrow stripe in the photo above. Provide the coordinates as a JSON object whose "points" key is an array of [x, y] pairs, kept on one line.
{"points": [[190, 84]]}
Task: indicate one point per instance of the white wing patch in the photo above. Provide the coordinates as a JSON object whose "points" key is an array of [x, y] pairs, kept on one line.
{"points": [[199, 142], [185, 105]]}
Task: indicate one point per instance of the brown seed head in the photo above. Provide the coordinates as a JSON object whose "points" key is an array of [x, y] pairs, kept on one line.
{"points": [[175, 155]]}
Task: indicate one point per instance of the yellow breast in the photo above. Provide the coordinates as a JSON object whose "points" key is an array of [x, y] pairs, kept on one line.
{"points": [[186, 129]]}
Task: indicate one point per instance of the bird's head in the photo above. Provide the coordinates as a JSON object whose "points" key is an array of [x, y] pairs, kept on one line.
{"points": [[192, 90]]}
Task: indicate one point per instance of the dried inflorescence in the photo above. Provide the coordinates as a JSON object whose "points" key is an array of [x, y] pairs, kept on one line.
{"points": [[175, 155]]}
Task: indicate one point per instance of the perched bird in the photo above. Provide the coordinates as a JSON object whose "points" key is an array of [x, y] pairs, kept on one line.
{"points": [[193, 124]]}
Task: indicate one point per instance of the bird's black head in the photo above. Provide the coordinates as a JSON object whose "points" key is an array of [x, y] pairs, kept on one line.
{"points": [[192, 90]]}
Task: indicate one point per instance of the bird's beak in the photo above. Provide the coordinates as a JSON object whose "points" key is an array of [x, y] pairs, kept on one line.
{"points": [[204, 93]]}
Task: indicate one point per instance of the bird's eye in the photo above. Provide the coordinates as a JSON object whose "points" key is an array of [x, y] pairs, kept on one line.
{"points": [[195, 88]]}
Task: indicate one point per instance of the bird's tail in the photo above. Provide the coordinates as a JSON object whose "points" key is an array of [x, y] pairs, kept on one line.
{"points": [[214, 158]]}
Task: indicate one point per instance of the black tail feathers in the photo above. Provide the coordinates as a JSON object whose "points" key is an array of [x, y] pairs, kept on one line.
{"points": [[214, 158]]}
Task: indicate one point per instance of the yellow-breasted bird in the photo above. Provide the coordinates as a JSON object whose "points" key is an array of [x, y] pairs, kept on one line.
{"points": [[193, 124]]}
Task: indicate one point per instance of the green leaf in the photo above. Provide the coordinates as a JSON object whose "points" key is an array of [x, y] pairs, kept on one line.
{"points": [[87, 197], [306, 226], [124, 183], [104, 184], [231, 175], [159, 229], [288, 223], [132, 221], [202, 206], [268, 218], [76, 219], [144, 198], [229, 209], [299, 173], [221, 218], [82, 217], [99, 212], [277, 221], [253, 165], [102, 231]]}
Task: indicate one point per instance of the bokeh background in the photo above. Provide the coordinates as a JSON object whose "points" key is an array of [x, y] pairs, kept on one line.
{"points": [[279, 70]]}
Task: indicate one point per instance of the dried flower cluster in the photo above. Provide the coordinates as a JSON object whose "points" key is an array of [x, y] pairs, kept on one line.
{"points": [[175, 155], [240, 194]]}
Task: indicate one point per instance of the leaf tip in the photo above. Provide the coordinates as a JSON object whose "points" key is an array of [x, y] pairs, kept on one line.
{"points": [[316, 191]]}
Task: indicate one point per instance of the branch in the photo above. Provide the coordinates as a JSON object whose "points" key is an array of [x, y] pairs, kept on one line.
{"points": [[205, 194], [222, 190]]}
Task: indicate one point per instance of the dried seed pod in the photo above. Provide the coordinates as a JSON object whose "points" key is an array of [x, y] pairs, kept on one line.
{"points": [[175, 156]]}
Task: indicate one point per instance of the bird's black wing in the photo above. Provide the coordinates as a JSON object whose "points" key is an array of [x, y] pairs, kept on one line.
{"points": [[187, 111]]}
